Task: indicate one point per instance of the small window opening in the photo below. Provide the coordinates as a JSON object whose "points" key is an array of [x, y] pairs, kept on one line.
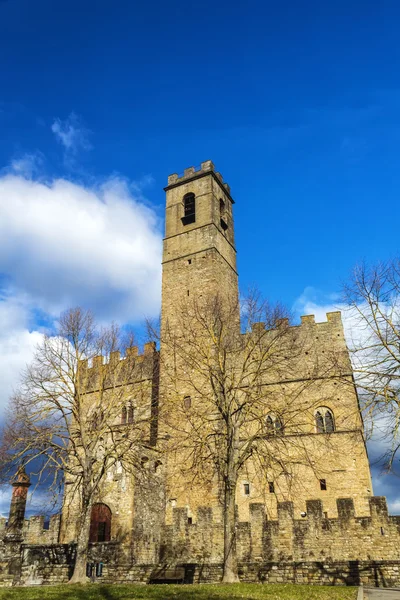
{"points": [[46, 525], [189, 208], [382, 531], [189, 261], [322, 484], [187, 402], [246, 488], [324, 422], [325, 515], [271, 487], [190, 520], [274, 425], [99, 569], [130, 414], [223, 222], [123, 415], [188, 293]]}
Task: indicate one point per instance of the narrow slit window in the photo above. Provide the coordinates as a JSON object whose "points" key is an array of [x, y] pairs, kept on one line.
{"points": [[123, 415], [322, 484], [271, 487], [246, 488], [130, 414], [190, 520]]}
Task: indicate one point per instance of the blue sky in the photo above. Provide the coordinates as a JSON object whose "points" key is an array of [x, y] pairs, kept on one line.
{"points": [[297, 104]]}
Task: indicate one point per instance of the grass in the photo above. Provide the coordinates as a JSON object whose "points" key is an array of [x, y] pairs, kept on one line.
{"points": [[241, 591]]}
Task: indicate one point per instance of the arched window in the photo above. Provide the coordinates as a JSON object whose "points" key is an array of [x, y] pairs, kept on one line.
{"points": [[324, 422], [100, 523], [274, 425], [123, 415], [189, 209]]}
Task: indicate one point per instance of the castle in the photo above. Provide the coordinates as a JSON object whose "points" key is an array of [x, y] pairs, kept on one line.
{"points": [[315, 521]]}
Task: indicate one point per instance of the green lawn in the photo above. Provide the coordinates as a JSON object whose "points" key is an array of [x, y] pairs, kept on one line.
{"points": [[240, 591]]}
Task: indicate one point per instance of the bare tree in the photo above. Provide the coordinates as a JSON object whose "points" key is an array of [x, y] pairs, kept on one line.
{"points": [[65, 419], [237, 405], [373, 300]]}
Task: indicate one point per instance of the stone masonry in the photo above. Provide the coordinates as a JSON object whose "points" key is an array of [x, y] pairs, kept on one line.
{"points": [[320, 525]]}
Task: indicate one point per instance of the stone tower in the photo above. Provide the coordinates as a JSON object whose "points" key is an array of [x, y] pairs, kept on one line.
{"points": [[199, 249], [21, 483], [199, 264]]}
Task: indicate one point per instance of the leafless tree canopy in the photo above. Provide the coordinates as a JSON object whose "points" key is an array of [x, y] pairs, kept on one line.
{"points": [[232, 361], [62, 433], [373, 297]]}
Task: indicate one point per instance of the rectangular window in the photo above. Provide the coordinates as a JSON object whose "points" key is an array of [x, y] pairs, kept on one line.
{"points": [[246, 488], [190, 520], [271, 487], [322, 483]]}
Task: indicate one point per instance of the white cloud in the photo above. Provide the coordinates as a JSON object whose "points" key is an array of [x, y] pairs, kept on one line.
{"points": [[71, 133], [16, 344], [27, 165], [63, 244]]}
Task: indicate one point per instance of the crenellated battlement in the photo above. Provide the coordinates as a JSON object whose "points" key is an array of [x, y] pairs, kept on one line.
{"points": [[115, 357], [129, 368], [300, 537], [205, 167], [332, 319]]}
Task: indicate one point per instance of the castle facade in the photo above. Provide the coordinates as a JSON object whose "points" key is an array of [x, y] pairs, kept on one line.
{"points": [[306, 514]]}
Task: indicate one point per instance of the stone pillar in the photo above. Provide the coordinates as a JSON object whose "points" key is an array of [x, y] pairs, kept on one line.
{"points": [[16, 517]]}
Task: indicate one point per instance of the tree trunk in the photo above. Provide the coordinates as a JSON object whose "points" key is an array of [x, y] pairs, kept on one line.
{"points": [[230, 574], [79, 574]]}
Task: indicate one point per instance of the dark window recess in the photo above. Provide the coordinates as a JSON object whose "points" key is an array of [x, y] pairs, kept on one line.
{"points": [[224, 224], [271, 487], [123, 415], [322, 484], [319, 421], [101, 531], [187, 402], [190, 520], [189, 261], [189, 209], [46, 525], [246, 487], [99, 569], [329, 425], [130, 414]]}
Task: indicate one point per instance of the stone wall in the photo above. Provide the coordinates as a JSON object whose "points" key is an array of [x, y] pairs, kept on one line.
{"points": [[309, 539]]}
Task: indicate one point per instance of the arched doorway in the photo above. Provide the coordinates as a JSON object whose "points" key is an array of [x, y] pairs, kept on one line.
{"points": [[100, 523]]}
